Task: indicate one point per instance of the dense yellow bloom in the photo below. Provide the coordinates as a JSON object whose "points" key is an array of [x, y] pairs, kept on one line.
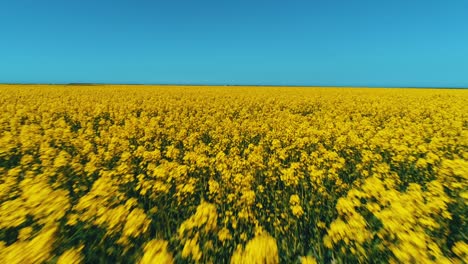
{"points": [[192, 249], [72, 256], [205, 217], [162, 174], [137, 224], [155, 252], [460, 249], [405, 219], [37, 250], [261, 249]]}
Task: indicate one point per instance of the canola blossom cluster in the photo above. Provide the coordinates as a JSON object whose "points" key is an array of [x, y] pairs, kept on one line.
{"points": [[159, 174]]}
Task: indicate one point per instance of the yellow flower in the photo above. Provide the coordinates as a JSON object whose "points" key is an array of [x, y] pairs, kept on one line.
{"points": [[261, 249], [460, 249], [155, 252], [25, 233], [205, 217], [308, 260], [192, 249], [137, 223], [72, 256], [294, 202], [294, 199], [224, 234], [37, 250], [297, 210]]}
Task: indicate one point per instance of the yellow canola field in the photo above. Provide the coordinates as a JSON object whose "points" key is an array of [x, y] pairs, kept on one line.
{"points": [[159, 174]]}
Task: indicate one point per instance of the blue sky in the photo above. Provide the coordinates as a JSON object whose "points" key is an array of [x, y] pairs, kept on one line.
{"points": [[321, 42]]}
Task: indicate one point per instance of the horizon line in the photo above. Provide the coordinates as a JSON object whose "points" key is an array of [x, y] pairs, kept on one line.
{"points": [[232, 85]]}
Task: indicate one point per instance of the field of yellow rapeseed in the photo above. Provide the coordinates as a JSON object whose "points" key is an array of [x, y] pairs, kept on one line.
{"points": [[156, 174]]}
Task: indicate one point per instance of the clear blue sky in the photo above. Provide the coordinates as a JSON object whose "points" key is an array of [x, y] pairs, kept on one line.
{"points": [[315, 42]]}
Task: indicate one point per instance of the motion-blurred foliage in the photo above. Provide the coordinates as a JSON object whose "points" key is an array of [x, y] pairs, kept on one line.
{"points": [[137, 174]]}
